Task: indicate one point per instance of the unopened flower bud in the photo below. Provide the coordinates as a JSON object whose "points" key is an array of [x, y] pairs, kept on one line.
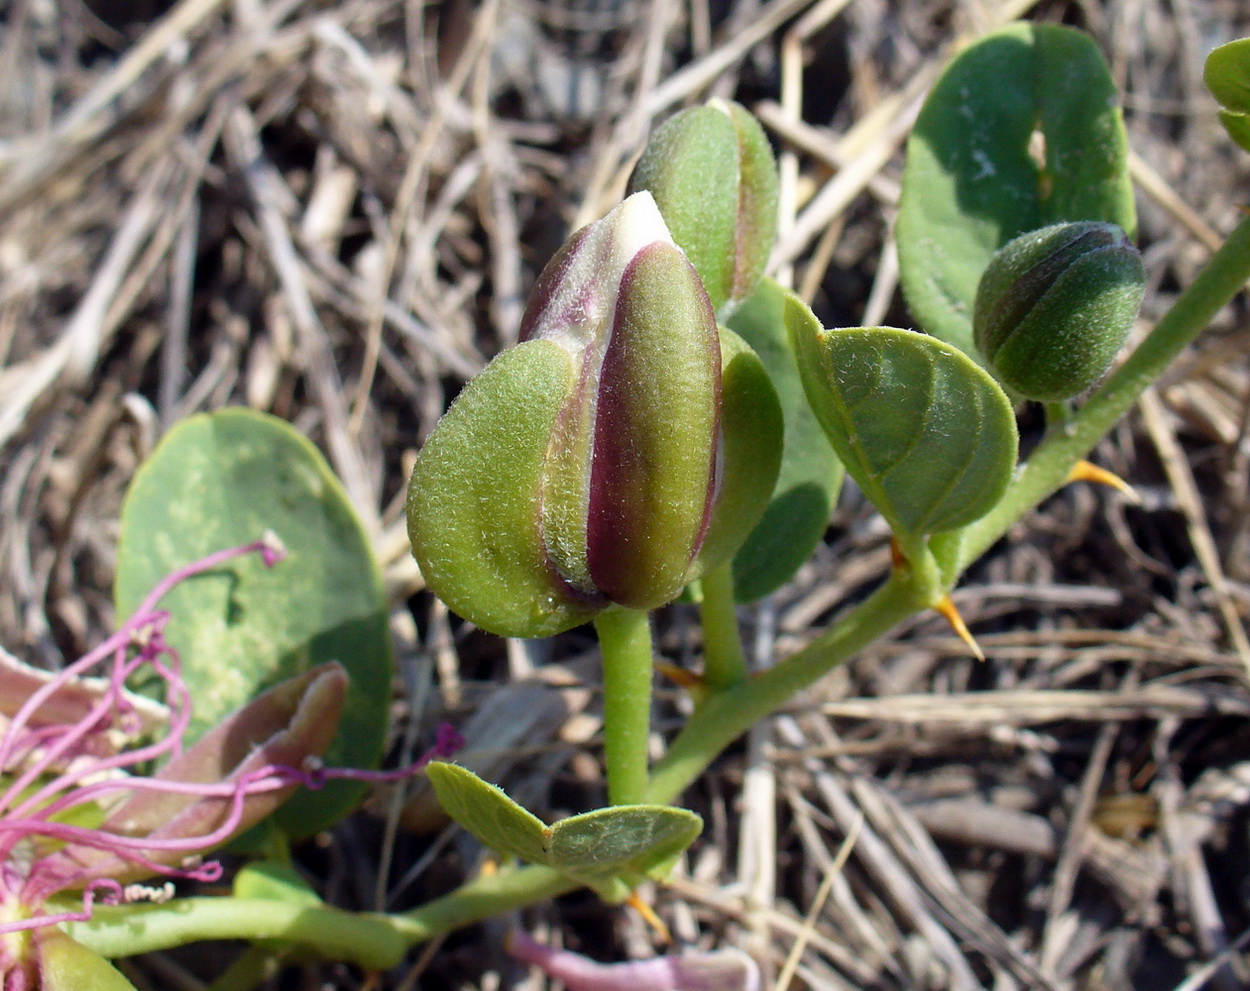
{"points": [[712, 173], [627, 485], [1054, 307], [577, 470]]}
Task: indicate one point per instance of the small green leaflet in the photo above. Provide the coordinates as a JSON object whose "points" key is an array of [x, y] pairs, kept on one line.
{"points": [[609, 850]]}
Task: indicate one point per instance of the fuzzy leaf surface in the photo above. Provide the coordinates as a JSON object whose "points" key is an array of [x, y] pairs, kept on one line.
{"points": [[610, 850], [475, 498], [927, 434]]}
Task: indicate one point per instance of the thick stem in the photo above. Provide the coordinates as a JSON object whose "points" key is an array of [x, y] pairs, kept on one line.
{"points": [[724, 662], [1045, 471], [625, 641], [371, 941]]}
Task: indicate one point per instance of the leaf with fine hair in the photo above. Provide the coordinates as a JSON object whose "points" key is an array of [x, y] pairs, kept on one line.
{"points": [[609, 850], [927, 434]]}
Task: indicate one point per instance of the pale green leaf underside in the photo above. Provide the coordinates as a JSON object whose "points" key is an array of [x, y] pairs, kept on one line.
{"points": [[1022, 130], [610, 849], [927, 434], [221, 480]]}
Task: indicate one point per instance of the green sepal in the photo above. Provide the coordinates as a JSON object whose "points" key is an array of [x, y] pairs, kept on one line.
{"points": [[713, 175], [752, 435], [609, 850], [927, 434], [473, 500], [654, 453], [972, 182], [810, 476]]}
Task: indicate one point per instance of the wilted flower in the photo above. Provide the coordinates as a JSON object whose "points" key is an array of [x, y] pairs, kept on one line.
{"points": [[74, 819], [719, 970]]}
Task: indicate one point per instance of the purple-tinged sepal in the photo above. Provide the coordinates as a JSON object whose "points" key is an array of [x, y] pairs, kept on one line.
{"points": [[577, 471]]}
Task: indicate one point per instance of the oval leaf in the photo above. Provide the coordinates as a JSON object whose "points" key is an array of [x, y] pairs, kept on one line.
{"points": [[810, 476], [929, 436], [610, 850], [473, 501], [624, 841], [1227, 75], [485, 811], [224, 479], [1022, 130]]}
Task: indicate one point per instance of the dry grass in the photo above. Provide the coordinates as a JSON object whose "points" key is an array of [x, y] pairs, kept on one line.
{"points": [[333, 211]]}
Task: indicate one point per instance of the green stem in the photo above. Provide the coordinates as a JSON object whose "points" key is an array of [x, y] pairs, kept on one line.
{"points": [[249, 970], [379, 941], [371, 941], [625, 641], [724, 662], [482, 898], [730, 713], [1047, 469]]}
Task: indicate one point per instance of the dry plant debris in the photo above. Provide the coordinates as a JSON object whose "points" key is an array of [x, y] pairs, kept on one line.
{"points": [[333, 211]]}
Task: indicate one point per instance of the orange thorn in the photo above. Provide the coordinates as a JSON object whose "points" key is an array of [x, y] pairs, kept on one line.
{"points": [[896, 554], [1083, 471], [946, 608], [635, 902], [680, 676]]}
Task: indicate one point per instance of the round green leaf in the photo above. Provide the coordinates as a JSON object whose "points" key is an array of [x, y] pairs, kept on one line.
{"points": [[810, 476], [625, 841], [473, 501], [926, 433], [221, 480], [1022, 130], [1227, 75]]}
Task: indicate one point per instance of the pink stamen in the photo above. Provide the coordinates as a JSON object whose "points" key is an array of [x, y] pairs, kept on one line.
{"points": [[39, 750]]}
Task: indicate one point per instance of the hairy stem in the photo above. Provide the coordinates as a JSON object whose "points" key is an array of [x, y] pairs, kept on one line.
{"points": [[371, 941], [625, 641], [724, 662]]}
